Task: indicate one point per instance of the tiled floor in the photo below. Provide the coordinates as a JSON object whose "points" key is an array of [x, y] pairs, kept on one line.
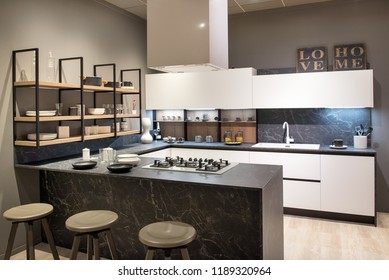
{"points": [[308, 239]]}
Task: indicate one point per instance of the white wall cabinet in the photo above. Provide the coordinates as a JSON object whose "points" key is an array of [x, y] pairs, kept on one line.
{"points": [[224, 89], [344, 89], [347, 184]]}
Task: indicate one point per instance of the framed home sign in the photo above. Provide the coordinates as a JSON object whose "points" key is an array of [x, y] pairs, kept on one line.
{"points": [[350, 57], [311, 60]]}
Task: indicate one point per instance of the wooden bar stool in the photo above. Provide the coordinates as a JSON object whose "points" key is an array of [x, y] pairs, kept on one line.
{"points": [[92, 223], [28, 213], [167, 235]]}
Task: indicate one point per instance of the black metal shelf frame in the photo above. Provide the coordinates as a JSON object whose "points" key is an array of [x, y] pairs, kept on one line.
{"points": [[35, 52]]}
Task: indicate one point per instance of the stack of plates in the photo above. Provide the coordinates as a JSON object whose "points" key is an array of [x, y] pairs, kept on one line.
{"points": [[129, 159], [42, 136], [41, 113]]}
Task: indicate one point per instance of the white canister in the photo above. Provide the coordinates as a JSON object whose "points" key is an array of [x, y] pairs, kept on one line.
{"points": [[360, 142], [85, 154]]}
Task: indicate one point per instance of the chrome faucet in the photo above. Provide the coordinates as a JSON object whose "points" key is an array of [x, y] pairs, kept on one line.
{"points": [[288, 139]]}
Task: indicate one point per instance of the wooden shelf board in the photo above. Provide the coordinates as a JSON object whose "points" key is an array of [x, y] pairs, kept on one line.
{"points": [[73, 118], [128, 132], [29, 143], [47, 119], [55, 85]]}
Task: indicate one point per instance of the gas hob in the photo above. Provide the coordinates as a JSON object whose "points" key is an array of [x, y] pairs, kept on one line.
{"points": [[195, 165]]}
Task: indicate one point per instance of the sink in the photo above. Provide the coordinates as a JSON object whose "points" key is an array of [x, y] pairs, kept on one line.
{"points": [[287, 146]]}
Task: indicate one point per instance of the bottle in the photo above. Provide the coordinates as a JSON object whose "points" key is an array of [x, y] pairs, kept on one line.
{"points": [[51, 67]]}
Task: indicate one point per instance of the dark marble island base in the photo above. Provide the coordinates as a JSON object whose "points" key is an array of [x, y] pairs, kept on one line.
{"points": [[232, 222]]}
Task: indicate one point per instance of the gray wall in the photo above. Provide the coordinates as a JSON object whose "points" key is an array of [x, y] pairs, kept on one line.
{"points": [[269, 39], [98, 32]]}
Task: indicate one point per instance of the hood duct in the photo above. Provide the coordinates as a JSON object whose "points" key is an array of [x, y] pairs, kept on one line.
{"points": [[187, 35]]}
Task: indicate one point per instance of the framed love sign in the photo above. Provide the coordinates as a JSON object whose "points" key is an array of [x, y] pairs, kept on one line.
{"points": [[311, 60]]}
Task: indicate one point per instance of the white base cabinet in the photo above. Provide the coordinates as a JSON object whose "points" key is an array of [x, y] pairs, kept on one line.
{"points": [[329, 183], [303, 191], [347, 184], [302, 195]]}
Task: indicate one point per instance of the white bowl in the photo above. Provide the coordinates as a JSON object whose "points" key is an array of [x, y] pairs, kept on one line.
{"points": [[133, 161], [96, 111]]}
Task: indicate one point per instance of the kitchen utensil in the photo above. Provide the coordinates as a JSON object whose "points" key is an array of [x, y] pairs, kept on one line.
{"points": [[198, 138], [369, 131], [119, 167], [84, 164], [358, 130]]}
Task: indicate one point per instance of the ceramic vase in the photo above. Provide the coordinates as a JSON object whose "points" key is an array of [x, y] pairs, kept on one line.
{"points": [[146, 137]]}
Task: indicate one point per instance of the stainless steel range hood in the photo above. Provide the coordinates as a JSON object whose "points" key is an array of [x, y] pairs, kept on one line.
{"points": [[187, 35]]}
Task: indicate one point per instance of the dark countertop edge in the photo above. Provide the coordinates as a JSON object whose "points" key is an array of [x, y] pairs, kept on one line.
{"points": [[156, 146], [324, 149]]}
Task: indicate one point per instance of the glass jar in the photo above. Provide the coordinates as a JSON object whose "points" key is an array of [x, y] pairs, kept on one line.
{"points": [[227, 136], [239, 136]]}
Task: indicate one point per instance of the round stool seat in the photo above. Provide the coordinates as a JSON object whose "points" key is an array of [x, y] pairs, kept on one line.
{"points": [[168, 234], [89, 221], [28, 212]]}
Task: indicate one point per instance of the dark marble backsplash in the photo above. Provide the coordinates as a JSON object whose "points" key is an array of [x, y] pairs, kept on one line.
{"points": [[319, 126]]}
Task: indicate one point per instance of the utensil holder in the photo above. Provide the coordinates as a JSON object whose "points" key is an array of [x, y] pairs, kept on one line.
{"points": [[360, 142]]}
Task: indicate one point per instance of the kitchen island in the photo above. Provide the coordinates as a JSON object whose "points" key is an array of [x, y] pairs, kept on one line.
{"points": [[237, 215]]}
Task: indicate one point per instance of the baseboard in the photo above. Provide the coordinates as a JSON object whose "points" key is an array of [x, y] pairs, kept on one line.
{"points": [[331, 216]]}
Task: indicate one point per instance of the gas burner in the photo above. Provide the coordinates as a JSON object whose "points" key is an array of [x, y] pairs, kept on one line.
{"points": [[192, 164]]}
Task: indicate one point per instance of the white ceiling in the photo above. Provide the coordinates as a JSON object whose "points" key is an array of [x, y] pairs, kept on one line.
{"points": [[139, 7]]}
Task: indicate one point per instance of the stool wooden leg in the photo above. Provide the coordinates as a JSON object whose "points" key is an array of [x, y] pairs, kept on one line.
{"points": [[168, 254], [89, 246], [75, 246], [50, 238], [11, 240], [30, 241], [150, 253], [96, 248], [111, 245], [185, 253]]}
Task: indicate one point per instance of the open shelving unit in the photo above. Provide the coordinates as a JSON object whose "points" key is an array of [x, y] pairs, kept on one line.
{"points": [[190, 128], [37, 87]]}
